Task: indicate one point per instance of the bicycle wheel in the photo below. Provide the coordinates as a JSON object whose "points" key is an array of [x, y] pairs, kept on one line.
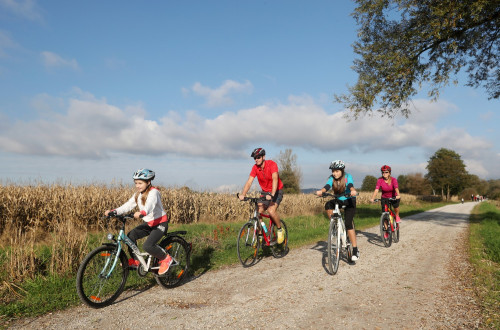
{"points": [[333, 247], [279, 250], [98, 283], [395, 234], [385, 230], [247, 244], [178, 249]]}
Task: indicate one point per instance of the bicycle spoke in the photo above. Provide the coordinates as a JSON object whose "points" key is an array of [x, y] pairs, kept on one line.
{"points": [[178, 249], [333, 247], [247, 244], [99, 280]]}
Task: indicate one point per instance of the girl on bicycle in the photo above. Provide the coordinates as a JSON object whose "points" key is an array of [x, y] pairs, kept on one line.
{"points": [[148, 199], [342, 183], [390, 189]]}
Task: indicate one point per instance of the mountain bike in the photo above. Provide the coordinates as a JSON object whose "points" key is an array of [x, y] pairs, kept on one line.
{"points": [[338, 240], [254, 234], [389, 228], [103, 272]]}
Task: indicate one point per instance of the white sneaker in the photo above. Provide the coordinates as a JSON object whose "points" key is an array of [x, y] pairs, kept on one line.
{"points": [[355, 256]]}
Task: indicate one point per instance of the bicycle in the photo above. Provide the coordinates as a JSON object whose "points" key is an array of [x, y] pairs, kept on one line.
{"points": [[387, 224], [338, 240], [250, 241], [103, 273]]}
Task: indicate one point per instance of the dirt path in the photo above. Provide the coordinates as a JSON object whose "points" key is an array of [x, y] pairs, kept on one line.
{"points": [[420, 282]]}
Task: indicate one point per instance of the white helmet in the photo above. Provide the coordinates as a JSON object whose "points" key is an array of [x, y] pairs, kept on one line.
{"points": [[337, 165], [144, 174]]}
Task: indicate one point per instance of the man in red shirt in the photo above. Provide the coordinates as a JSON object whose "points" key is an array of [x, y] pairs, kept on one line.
{"points": [[266, 172]]}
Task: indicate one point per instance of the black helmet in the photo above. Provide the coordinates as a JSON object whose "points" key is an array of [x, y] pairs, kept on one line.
{"points": [[258, 152]]}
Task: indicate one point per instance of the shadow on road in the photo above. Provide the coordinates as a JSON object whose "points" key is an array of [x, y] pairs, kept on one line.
{"points": [[321, 246]]}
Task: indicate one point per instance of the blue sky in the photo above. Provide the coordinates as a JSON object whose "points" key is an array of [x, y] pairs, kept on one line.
{"points": [[92, 90]]}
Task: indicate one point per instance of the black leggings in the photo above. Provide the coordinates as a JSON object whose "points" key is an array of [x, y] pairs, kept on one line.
{"points": [[349, 211], [383, 201], [155, 234]]}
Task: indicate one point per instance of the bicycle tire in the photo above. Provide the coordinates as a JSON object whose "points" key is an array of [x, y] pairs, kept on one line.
{"points": [[180, 252], [333, 247], [279, 250], [396, 232], [385, 223], [247, 244], [93, 288]]}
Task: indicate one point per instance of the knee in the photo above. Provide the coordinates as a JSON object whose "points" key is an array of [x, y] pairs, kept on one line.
{"points": [[149, 248]]}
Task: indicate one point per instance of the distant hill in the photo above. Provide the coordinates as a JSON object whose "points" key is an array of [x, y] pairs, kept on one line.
{"points": [[309, 190]]}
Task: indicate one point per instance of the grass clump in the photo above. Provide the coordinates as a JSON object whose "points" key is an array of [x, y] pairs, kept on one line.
{"points": [[484, 242]]}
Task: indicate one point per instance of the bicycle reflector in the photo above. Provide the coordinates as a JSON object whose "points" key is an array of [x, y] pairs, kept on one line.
{"points": [[111, 237]]}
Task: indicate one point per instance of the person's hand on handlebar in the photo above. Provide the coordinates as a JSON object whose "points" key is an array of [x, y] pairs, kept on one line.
{"points": [[240, 196], [319, 193], [110, 213]]}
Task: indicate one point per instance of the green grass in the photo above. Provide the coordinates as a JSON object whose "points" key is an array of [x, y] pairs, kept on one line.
{"points": [[214, 247], [484, 242]]}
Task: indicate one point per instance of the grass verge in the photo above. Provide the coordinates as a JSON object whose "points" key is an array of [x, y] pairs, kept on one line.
{"points": [[214, 247], [484, 242]]}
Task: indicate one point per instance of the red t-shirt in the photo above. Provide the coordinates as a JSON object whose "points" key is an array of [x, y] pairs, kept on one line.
{"points": [[265, 176]]}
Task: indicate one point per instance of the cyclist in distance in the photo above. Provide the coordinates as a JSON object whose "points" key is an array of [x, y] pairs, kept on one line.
{"points": [[390, 189], [266, 172], [148, 199], [342, 183]]}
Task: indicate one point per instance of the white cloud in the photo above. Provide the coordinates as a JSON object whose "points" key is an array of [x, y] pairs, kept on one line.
{"points": [[87, 127], [27, 9], [52, 60], [220, 96]]}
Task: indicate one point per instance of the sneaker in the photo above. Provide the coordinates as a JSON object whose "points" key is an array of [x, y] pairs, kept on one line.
{"points": [[165, 264], [398, 219], [132, 263], [281, 236], [355, 254]]}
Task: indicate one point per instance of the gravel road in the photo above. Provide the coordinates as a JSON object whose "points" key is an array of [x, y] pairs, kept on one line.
{"points": [[422, 282]]}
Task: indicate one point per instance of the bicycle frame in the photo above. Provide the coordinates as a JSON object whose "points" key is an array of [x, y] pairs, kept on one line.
{"points": [[258, 226], [389, 210], [336, 216]]}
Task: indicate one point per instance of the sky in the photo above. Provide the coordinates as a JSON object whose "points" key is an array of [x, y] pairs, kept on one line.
{"points": [[91, 91]]}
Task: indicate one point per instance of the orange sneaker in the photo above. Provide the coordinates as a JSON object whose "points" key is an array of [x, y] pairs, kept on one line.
{"points": [[398, 219], [165, 264], [132, 263]]}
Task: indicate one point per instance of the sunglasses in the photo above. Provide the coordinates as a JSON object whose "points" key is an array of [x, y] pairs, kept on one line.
{"points": [[258, 157], [385, 172]]}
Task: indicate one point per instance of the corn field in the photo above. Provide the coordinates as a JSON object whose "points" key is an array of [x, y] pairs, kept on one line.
{"points": [[61, 216]]}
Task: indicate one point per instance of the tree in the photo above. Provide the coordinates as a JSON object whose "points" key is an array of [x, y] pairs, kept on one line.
{"points": [[402, 181], [369, 183], [404, 44], [446, 172], [289, 172], [417, 184]]}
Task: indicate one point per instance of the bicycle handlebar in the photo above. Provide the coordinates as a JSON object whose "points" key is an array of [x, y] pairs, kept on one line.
{"points": [[252, 199], [392, 199], [325, 194]]}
